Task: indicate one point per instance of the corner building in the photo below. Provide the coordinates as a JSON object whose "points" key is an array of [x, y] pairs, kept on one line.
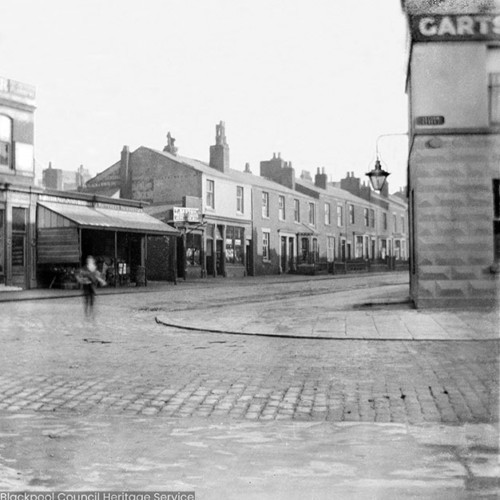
{"points": [[453, 86]]}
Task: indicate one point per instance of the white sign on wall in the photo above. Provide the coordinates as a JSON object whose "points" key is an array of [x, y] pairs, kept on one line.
{"points": [[182, 214]]}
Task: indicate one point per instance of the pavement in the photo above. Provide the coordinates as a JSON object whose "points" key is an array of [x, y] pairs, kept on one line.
{"points": [[206, 387]]}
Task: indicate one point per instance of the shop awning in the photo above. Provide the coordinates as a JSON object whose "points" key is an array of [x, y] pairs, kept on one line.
{"points": [[123, 219]]}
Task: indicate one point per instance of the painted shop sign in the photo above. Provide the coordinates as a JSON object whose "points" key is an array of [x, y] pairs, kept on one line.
{"points": [[429, 120], [454, 27], [182, 214]]}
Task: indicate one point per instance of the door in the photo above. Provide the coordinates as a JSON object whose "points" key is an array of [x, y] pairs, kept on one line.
{"points": [[291, 265], [210, 257], [18, 248], [219, 262], [284, 267], [249, 257]]}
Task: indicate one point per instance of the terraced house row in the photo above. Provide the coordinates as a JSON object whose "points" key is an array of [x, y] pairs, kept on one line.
{"points": [[236, 223]]}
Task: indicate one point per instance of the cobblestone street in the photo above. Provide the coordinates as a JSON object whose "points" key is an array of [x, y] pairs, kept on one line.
{"points": [[53, 360], [123, 364]]}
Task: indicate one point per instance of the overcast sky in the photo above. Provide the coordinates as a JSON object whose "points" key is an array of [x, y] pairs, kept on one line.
{"points": [[317, 81]]}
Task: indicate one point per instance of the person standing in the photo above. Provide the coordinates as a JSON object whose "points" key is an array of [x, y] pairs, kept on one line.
{"points": [[89, 277]]}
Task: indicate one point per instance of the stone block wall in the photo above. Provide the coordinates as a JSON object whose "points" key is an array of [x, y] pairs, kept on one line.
{"points": [[451, 178]]}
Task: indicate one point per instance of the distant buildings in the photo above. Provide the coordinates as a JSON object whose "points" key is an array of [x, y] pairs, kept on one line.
{"points": [[65, 180], [454, 162]]}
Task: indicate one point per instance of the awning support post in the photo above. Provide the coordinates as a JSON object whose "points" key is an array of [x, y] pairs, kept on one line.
{"points": [[116, 259]]}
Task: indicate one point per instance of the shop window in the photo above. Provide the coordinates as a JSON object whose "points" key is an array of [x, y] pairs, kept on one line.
{"points": [[351, 214], [234, 247], [340, 215], [328, 214], [366, 217], [281, 207], [265, 245], [193, 249], [210, 194], [312, 214], [296, 210], [494, 91], [5, 141], [240, 208], [265, 204]]}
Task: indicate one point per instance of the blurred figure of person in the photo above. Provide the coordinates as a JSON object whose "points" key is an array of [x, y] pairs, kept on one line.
{"points": [[89, 277]]}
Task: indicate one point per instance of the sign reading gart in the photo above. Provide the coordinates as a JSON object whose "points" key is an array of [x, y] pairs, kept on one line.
{"points": [[454, 27]]}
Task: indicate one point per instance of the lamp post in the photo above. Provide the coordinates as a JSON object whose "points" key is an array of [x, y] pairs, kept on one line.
{"points": [[378, 175]]}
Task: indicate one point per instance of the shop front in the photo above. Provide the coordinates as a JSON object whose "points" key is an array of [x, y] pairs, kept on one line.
{"points": [[115, 235]]}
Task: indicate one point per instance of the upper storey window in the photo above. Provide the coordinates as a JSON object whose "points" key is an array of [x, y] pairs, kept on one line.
{"points": [[5, 141]]}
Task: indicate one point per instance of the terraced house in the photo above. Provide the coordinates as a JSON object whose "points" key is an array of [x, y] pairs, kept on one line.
{"points": [[236, 223]]}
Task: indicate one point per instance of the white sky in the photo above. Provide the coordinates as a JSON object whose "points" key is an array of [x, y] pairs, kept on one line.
{"points": [[317, 81]]}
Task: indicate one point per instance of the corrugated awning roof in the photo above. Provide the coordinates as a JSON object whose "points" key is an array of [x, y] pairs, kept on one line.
{"points": [[112, 219]]}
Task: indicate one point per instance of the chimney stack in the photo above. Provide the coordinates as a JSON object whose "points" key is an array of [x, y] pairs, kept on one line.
{"points": [[219, 153], [320, 179]]}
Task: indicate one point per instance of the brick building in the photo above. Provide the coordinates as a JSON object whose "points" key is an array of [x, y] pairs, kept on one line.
{"points": [[46, 234], [235, 223], [453, 87]]}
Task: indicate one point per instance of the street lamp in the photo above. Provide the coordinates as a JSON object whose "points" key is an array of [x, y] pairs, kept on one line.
{"points": [[378, 175]]}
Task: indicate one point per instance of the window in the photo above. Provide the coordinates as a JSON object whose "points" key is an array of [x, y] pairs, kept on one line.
{"points": [[210, 194], [5, 141], [372, 217], [367, 217], [312, 214], [384, 220], [351, 214], [340, 215], [234, 247], [402, 224], [265, 245], [265, 204], [395, 222], [281, 207], [328, 214], [18, 219], [496, 219], [240, 207], [193, 249], [296, 210], [494, 91]]}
